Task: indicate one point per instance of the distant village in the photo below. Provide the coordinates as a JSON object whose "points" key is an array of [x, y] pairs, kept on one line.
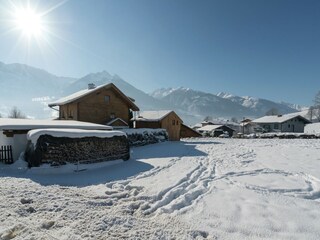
{"points": [[101, 122]]}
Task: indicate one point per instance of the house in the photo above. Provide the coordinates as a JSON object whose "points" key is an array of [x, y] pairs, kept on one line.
{"points": [[13, 132], [166, 119], [187, 132], [233, 125], [282, 123], [99, 105], [216, 130], [249, 127]]}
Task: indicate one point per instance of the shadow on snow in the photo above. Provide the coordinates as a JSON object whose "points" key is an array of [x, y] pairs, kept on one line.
{"points": [[100, 175]]}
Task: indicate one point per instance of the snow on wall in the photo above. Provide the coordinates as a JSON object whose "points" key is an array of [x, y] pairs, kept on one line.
{"points": [[34, 135]]}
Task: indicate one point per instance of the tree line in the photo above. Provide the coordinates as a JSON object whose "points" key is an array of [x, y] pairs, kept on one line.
{"points": [[314, 110], [15, 113]]}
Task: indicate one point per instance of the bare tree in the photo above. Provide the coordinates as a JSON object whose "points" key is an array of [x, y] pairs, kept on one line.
{"points": [[234, 119], [311, 113], [316, 106], [272, 112], [207, 119], [16, 113]]}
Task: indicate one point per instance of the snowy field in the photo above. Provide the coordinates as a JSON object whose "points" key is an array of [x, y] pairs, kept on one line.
{"points": [[193, 189]]}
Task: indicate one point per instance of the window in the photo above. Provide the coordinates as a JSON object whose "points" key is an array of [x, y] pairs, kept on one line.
{"points": [[112, 115], [177, 122], [173, 122], [276, 126], [107, 99], [288, 125]]}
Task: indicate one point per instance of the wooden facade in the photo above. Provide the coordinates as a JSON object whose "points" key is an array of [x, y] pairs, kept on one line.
{"points": [[171, 122], [187, 132], [100, 106]]}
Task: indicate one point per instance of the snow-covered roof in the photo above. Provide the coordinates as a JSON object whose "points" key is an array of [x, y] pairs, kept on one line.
{"points": [[117, 119], [279, 118], [197, 125], [152, 115], [28, 124], [33, 135], [75, 96], [209, 128]]}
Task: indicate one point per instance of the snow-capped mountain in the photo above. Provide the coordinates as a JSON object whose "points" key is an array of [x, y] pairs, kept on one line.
{"points": [[201, 103], [218, 105], [30, 89], [259, 106], [143, 100]]}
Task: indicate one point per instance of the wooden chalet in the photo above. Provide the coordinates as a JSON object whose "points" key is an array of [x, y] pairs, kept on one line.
{"points": [[166, 119], [101, 105], [187, 132]]}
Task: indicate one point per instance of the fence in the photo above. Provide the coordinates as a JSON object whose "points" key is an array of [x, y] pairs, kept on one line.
{"points": [[6, 154]]}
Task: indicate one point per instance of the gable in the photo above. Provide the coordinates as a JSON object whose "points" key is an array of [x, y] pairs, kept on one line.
{"points": [[83, 94], [172, 114]]}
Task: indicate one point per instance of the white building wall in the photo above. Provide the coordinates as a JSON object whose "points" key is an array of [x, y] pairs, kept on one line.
{"points": [[18, 143]]}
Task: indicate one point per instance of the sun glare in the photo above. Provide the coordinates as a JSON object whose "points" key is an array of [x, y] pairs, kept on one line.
{"points": [[29, 22]]}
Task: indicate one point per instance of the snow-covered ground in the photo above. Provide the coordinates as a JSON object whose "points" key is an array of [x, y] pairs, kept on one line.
{"points": [[193, 189]]}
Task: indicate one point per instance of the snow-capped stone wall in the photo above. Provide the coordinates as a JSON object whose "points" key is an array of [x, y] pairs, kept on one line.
{"points": [[144, 136], [61, 150]]}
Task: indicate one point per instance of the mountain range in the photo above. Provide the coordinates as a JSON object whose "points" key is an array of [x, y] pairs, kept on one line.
{"points": [[30, 89]]}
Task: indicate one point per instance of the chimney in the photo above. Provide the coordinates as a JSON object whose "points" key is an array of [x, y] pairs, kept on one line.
{"points": [[91, 86]]}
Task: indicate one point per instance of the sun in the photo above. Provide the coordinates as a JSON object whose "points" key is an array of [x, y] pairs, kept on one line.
{"points": [[29, 22]]}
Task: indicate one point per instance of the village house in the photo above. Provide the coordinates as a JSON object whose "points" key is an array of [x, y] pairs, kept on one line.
{"points": [[282, 123], [166, 119], [215, 130], [249, 127], [104, 104]]}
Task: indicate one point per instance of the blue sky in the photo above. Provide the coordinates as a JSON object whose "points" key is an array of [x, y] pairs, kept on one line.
{"points": [[263, 48]]}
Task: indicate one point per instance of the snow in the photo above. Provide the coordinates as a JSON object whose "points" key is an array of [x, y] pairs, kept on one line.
{"points": [[27, 124], [313, 128], [278, 118], [34, 135], [76, 95], [200, 188], [152, 115], [209, 128], [85, 92]]}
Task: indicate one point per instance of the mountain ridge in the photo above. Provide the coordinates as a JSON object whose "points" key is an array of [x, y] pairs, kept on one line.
{"points": [[34, 87]]}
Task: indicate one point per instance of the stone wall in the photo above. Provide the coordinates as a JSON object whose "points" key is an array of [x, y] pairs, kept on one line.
{"points": [[61, 150]]}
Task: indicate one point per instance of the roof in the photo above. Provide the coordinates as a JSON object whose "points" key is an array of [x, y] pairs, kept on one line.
{"points": [[75, 96], [28, 124], [279, 118], [209, 128], [153, 116], [117, 119], [190, 128]]}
